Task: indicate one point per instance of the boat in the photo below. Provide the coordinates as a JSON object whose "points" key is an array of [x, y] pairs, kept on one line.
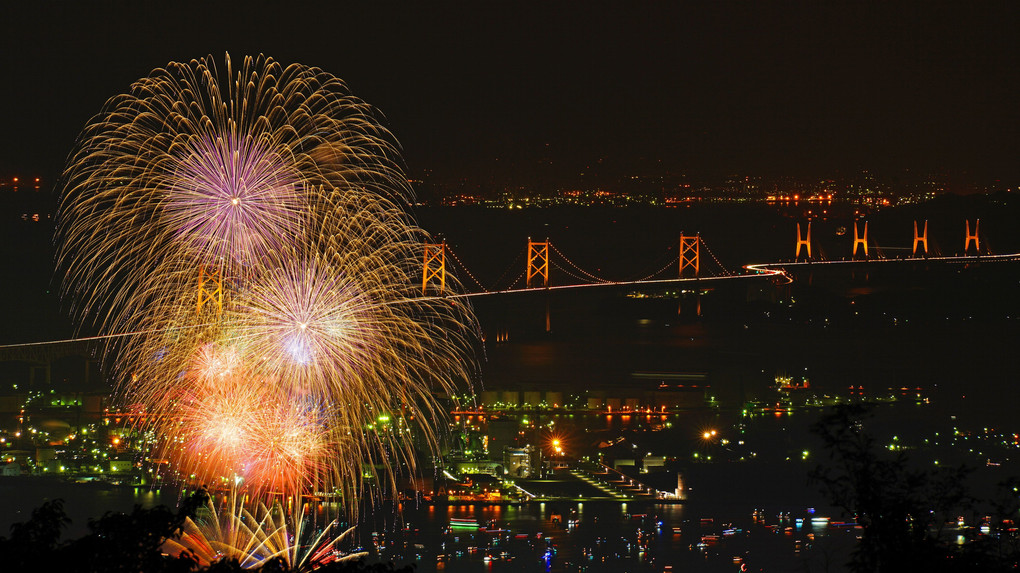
{"points": [[463, 523]]}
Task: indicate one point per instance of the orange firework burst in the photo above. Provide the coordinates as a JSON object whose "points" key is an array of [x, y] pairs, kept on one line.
{"points": [[230, 424]]}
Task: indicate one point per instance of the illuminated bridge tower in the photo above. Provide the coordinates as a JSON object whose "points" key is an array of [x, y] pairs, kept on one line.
{"points": [[210, 288], [804, 240], [434, 267], [538, 262], [921, 239], [690, 254], [690, 259], [538, 266], [968, 237], [861, 240]]}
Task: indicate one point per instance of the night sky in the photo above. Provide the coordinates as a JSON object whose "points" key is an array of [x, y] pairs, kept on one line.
{"points": [[485, 90]]}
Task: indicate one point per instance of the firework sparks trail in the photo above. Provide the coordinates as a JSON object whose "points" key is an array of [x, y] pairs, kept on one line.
{"points": [[254, 537], [323, 359]]}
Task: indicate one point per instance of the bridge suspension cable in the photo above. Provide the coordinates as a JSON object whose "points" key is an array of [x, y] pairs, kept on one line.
{"points": [[519, 278], [512, 265], [578, 268], [567, 272], [654, 264], [463, 267], [671, 264], [726, 272]]}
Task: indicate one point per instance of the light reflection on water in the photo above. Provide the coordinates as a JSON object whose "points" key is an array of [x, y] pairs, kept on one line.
{"points": [[82, 501], [607, 536], [599, 535]]}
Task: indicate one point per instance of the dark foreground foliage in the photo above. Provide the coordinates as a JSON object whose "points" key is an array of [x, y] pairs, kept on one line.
{"points": [[127, 543], [904, 511]]}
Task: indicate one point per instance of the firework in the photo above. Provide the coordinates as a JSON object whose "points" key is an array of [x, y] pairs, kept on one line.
{"points": [[232, 424], [317, 358], [252, 538]]}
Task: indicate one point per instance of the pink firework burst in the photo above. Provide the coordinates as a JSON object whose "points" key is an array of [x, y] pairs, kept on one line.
{"points": [[234, 197]]}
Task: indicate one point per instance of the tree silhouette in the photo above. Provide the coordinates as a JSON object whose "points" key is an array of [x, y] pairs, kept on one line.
{"points": [[122, 543], [903, 511]]}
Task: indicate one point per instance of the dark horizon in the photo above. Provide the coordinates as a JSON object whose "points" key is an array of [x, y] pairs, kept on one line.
{"points": [[535, 94]]}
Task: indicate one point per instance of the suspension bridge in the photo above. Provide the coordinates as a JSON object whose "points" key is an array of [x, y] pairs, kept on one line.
{"points": [[538, 258], [687, 265]]}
